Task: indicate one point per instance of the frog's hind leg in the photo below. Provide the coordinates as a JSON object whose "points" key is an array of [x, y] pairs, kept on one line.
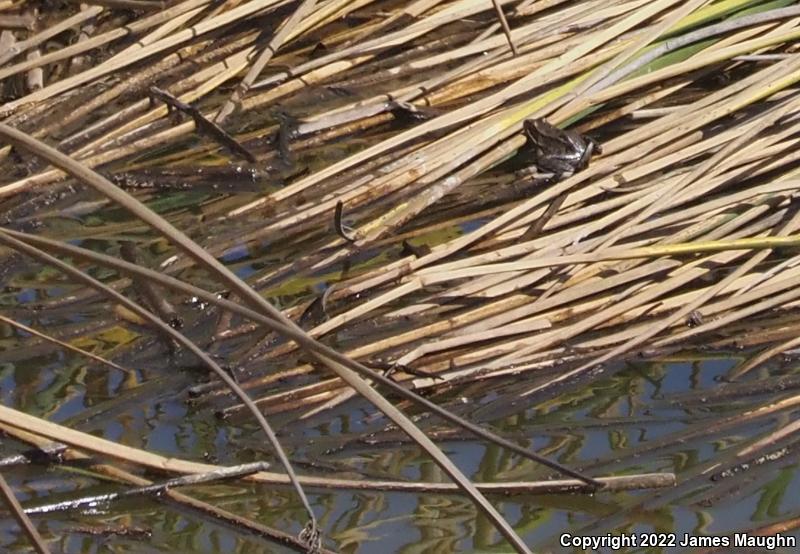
{"points": [[592, 147], [598, 148], [533, 173]]}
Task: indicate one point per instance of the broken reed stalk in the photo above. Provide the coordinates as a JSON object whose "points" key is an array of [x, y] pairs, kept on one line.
{"points": [[27, 428], [221, 474], [202, 124], [506, 29], [305, 7], [22, 519], [64, 345]]}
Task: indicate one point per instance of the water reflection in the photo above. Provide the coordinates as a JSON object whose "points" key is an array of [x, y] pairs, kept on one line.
{"points": [[644, 417]]}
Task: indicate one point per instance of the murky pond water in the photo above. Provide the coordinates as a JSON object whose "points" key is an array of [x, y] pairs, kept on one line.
{"points": [[643, 417]]}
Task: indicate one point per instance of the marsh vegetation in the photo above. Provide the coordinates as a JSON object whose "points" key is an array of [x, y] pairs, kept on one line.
{"points": [[353, 275]]}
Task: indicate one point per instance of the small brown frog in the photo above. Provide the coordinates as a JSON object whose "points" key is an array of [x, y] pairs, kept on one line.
{"points": [[560, 152]]}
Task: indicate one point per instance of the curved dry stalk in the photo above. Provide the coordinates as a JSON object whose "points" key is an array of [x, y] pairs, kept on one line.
{"points": [[312, 527], [24, 425]]}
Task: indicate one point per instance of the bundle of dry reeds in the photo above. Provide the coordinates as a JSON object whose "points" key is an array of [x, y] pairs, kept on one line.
{"points": [[358, 162]]}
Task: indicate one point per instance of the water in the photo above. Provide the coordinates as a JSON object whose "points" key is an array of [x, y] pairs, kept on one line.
{"points": [[599, 428]]}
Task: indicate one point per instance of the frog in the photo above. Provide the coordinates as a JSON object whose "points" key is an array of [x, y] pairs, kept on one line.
{"points": [[557, 151]]}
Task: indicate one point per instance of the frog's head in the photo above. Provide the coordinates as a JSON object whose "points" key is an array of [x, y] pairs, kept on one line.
{"points": [[538, 126]]}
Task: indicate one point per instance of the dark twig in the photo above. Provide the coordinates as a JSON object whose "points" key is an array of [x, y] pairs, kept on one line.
{"points": [[287, 129], [536, 228], [504, 23], [341, 229], [156, 488], [204, 126]]}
